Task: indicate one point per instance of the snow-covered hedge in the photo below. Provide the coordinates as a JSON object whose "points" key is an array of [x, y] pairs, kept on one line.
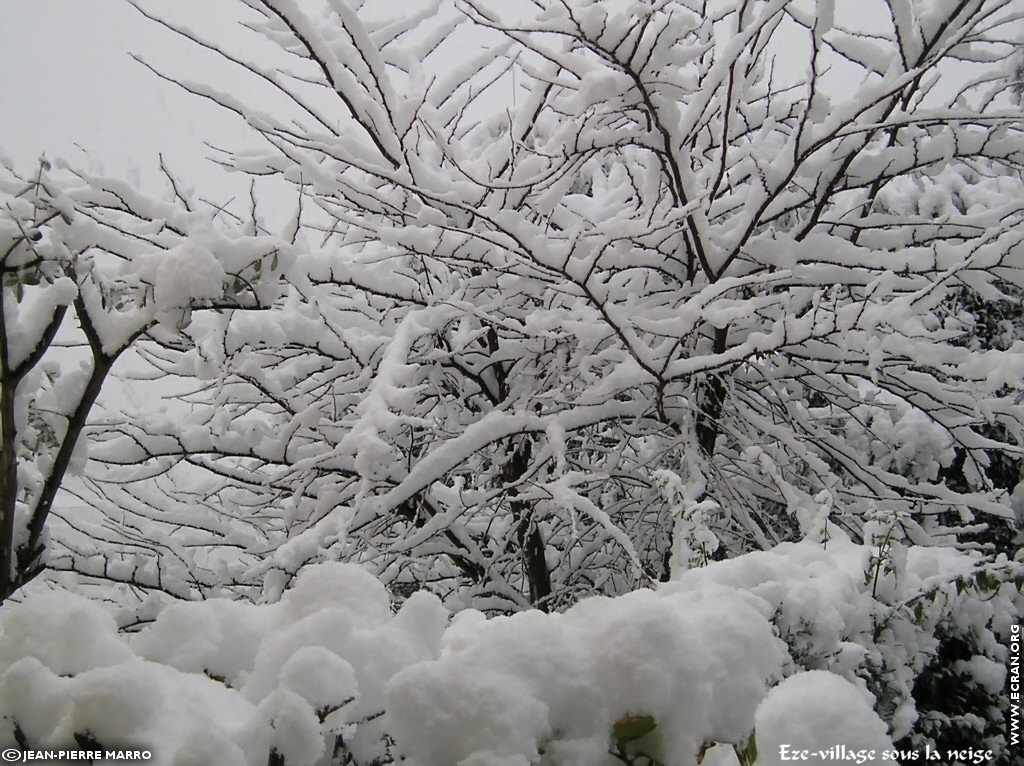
{"points": [[805, 645]]}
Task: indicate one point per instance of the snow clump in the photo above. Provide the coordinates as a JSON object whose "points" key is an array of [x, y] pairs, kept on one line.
{"points": [[772, 648]]}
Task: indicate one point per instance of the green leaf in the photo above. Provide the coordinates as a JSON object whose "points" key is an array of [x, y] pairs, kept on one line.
{"points": [[630, 727], [749, 754], [987, 582]]}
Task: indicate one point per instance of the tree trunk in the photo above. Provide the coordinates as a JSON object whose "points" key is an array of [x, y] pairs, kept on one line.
{"points": [[8, 485], [711, 401], [528, 536], [710, 404]]}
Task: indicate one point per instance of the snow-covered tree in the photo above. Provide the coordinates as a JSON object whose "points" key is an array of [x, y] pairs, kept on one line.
{"points": [[89, 267], [721, 242]]}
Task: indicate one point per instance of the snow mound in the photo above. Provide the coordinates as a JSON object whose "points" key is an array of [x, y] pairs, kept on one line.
{"points": [[216, 681], [52, 628], [508, 689], [331, 671], [818, 712]]}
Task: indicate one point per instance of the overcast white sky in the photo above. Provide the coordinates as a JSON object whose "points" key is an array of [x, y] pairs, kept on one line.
{"points": [[67, 79]]}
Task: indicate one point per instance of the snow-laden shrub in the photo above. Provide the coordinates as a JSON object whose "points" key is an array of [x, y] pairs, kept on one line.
{"points": [[906, 623], [808, 645], [818, 710], [510, 690], [304, 677]]}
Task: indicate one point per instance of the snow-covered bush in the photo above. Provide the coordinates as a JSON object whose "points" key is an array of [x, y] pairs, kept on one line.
{"points": [[817, 711], [217, 681], [906, 627], [530, 685], [726, 663]]}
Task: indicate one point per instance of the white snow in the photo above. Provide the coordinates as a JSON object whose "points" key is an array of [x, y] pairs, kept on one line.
{"points": [[816, 711], [702, 656]]}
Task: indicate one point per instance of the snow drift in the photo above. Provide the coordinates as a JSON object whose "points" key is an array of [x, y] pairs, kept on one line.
{"points": [[782, 647]]}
